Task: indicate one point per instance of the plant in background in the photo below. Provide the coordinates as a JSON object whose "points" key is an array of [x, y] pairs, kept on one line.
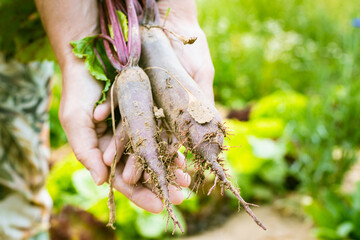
{"points": [[70, 183], [336, 215], [263, 145], [326, 138]]}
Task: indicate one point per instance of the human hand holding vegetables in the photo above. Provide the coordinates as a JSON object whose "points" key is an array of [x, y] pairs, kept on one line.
{"points": [[88, 135], [189, 113], [195, 59]]}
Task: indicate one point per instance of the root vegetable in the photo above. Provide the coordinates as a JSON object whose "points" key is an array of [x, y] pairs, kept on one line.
{"points": [[136, 108], [180, 97]]}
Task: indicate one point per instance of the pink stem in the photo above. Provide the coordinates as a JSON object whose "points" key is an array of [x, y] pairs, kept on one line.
{"points": [[109, 52], [99, 57], [120, 5], [151, 13], [134, 42], [138, 8], [120, 44]]}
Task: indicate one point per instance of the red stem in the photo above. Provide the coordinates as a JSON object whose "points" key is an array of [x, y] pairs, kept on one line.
{"points": [[99, 57], [109, 51], [120, 5], [134, 42], [151, 13], [138, 8], [120, 44]]}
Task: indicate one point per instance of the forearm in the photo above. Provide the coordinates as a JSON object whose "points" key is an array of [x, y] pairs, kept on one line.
{"points": [[65, 21]]}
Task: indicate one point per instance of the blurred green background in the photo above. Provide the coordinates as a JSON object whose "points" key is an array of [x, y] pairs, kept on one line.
{"points": [[287, 72]]}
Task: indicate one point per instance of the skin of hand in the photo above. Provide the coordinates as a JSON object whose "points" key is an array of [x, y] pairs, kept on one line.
{"points": [[88, 137], [195, 58]]}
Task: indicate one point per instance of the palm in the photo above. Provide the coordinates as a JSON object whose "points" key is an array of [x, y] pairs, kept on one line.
{"points": [[195, 58]]}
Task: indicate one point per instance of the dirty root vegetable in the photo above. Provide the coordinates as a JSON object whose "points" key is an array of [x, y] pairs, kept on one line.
{"points": [[181, 115], [133, 91], [195, 122], [136, 108]]}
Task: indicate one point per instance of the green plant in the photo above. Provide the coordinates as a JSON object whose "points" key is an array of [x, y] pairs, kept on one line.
{"points": [[336, 215], [300, 45], [327, 138], [69, 183]]}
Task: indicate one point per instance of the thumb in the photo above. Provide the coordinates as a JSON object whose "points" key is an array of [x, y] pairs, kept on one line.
{"points": [[82, 137]]}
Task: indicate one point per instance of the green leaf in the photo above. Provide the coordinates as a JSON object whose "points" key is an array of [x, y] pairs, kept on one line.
{"points": [[286, 105], [89, 192], [30, 52], [325, 233], [21, 33], [123, 23], [344, 229], [150, 225], [153, 226], [167, 12], [84, 48], [59, 184], [356, 198], [111, 31], [320, 215], [240, 155]]}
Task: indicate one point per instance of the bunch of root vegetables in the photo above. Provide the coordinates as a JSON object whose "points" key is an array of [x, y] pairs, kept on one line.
{"points": [[161, 106]]}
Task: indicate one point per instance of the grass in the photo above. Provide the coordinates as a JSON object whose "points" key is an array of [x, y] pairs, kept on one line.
{"points": [[258, 47]]}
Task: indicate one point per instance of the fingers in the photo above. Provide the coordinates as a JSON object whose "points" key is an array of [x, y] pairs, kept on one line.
{"points": [[140, 195], [175, 193], [183, 179], [196, 60], [78, 97], [204, 74], [83, 139], [180, 161], [102, 111], [101, 128], [132, 172], [121, 141]]}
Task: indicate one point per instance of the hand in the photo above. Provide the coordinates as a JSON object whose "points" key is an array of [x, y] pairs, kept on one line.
{"points": [[195, 58], [78, 97], [89, 139], [87, 135]]}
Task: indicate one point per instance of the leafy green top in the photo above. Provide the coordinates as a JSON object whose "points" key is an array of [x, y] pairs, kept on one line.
{"points": [[96, 61], [98, 66]]}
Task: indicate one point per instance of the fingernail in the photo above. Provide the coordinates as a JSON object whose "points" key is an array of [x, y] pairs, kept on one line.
{"points": [[174, 189], [95, 177], [188, 178]]}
